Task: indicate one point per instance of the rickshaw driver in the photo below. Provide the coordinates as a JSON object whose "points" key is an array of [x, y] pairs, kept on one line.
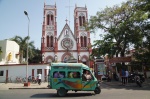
{"points": [[87, 75]]}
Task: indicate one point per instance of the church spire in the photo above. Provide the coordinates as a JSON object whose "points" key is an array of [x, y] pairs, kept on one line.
{"points": [[44, 3]]}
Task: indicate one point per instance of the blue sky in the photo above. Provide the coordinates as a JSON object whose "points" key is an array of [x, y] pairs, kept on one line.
{"points": [[13, 21]]}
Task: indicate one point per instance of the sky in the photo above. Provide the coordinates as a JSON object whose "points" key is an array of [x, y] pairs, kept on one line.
{"points": [[14, 22]]}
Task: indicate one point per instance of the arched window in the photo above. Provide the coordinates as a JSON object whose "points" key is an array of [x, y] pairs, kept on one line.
{"points": [[48, 17], [83, 20], [52, 19], [85, 41], [81, 38], [47, 39], [80, 21], [51, 42], [66, 32]]}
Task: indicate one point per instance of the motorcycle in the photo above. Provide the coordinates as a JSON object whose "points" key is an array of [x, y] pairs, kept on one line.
{"points": [[138, 80], [131, 78]]}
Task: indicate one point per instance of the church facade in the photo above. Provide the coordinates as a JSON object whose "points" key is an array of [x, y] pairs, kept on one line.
{"points": [[68, 46]]}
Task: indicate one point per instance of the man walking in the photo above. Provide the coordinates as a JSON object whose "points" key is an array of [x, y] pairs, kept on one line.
{"points": [[39, 78]]}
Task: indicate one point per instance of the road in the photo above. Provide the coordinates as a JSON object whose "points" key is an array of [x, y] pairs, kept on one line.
{"points": [[108, 92]]}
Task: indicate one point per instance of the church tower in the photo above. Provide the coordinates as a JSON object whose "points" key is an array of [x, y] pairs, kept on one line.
{"points": [[67, 46], [82, 36], [49, 46]]}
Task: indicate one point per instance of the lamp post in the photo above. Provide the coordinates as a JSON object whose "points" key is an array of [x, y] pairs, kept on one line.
{"points": [[25, 12]]}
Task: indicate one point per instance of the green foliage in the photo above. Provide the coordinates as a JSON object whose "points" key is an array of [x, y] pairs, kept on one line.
{"points": [[124, 26], [37, 57], [34, 54], [1, 51]]}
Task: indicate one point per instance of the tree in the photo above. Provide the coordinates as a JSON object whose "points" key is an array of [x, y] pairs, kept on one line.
{"points": [[37, 58], [122, 27], [142, 51], [22, 42]]}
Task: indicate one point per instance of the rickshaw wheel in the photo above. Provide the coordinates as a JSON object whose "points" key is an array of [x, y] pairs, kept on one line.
{"points": [[97, 90], [61, 92]]}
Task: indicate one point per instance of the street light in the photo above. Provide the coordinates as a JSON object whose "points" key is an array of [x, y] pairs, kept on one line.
{"points": [[25, 12]]}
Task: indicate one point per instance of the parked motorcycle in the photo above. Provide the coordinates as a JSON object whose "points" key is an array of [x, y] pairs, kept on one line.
{"points": [[131, 78], [138, 80]]}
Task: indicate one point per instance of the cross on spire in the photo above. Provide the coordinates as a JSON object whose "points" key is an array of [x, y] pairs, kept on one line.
{"points": [[69, 11], [66, 20]]}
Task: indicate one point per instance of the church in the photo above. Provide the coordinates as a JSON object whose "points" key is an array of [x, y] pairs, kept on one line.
{"points": [[68, 46]]}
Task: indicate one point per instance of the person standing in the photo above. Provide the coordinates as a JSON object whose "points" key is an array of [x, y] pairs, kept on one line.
{"points": [[126, 77], [123, 76], [39, 78]]}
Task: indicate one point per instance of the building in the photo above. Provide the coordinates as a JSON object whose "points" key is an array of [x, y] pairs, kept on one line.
{"points": [[11, 69], [69, 46], [9, 52], [10, 72]]}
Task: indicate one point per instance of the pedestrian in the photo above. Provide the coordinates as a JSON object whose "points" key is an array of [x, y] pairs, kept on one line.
{"points": [[126, 76], [123, 76], [39, 78]]}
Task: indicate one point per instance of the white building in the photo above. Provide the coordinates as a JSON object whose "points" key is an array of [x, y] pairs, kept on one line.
{"points": [[10, 68], [10, 52], [19, 70]]}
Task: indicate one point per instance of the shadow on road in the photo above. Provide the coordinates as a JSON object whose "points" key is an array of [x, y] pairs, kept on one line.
{"points": [[129, 86], [54, 95]]}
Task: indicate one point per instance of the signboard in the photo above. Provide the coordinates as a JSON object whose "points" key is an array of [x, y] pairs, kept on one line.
{"points": [[101, 69], [120, 59]]}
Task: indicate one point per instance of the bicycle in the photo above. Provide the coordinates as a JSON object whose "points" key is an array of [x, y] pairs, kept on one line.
{"points": [[8, 80], [18, 80]]}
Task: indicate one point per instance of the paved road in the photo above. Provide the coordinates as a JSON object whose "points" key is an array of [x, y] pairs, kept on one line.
{"points": [[108, 92], [45, 93]]}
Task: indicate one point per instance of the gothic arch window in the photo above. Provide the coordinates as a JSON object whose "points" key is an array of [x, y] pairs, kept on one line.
{"points": [[66, 32], [47, 41], [51, 41], [50, 18], [81, 19], [85, 41], [47, 18], [81, 38]]}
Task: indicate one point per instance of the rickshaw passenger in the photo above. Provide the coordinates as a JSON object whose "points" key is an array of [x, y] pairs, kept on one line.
{"points": [[56, 75], [61, 75], [70, 75]]}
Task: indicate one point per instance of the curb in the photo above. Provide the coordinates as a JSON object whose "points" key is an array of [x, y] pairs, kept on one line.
{"points": [[28, 88]]}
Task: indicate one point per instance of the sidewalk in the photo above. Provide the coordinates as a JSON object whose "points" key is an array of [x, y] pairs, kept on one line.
{"points": [[119, 83], [7, 86]]}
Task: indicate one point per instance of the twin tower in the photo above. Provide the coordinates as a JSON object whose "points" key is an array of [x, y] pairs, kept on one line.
{"points": [[68, 46]]}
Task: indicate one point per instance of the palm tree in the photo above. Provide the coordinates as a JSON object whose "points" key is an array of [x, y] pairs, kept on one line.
{"points": [[22, 42], [1, 52]]}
